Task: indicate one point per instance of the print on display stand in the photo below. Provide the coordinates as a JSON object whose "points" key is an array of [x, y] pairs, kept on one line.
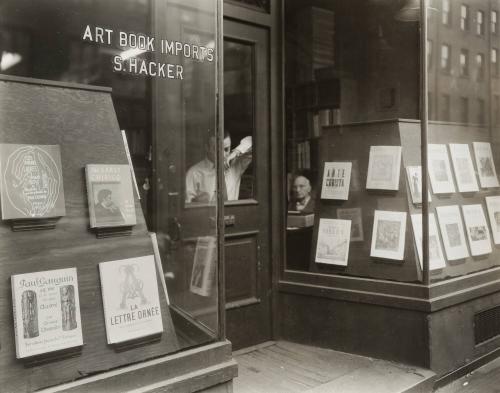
{"points": [[388, 237], [477, 230], [333, 241], [440, 170], [384, 168], [452, 231], [32, 193], [436, 259]]}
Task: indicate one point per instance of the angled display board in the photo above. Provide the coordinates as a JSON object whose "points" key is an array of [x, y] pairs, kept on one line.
{"points": [[81, 121]]}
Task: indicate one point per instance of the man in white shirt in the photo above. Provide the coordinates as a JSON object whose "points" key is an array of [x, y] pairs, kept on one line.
{"points": [[201, 179]]}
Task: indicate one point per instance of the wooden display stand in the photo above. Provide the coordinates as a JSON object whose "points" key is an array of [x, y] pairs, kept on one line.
{"points": [[82, 121]]}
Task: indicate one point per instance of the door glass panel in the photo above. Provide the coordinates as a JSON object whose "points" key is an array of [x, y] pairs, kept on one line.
{"points": [[239, 120]]}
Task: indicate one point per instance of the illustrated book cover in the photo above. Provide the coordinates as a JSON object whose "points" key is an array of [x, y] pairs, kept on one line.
{"points": [[436, 259], [414, 176], [336, 180], [452, 232], [130, 298], [110, 196], [493, 206], [440, 170], [388, 237], [32, 182], [463, 167], [46, 312], [384, 167], [333, 241], [477, 229], [354, 215], [204, 266], [485, 165]]}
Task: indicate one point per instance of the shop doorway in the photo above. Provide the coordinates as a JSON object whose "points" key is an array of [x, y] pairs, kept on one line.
{"points": [[247, 215]]}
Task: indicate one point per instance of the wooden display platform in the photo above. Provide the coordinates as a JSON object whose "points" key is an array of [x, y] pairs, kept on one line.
{"points": [[81, 120]]}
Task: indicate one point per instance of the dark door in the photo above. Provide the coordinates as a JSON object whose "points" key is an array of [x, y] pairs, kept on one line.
{"points": [[247, 216]]}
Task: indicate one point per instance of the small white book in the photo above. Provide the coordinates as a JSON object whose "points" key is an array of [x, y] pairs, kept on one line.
{"points": [[204, 266], [485, 165], [436, 259], [336, 180], [452, 231], [388, 237], [354, 215], [414, 176], [333, 241], [439, 169], [384, 167], [493, 205], [46, 312], [463, 167], [477, 229], [130, 297]]}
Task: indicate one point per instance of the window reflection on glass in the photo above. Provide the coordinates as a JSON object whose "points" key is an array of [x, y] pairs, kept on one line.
{"points": [[238, 120], [464, 17], [446, 13]]}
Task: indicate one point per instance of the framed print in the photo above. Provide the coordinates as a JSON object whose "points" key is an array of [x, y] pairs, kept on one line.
{"points": [[356, 217], [439, 170], [477, 229], [452, 232], [388, 237], [485, 165], [463, 167], [384, 167], [436, 258], [333, 241]]}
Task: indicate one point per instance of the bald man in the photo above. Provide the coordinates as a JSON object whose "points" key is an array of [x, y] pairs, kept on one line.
{"points": [[301, 196]]}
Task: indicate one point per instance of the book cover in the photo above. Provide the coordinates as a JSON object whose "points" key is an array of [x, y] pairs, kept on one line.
{"points": [[463, 167], [336, 180], [333, 241], [485, 165], [130, 298], [32, 182], [356, 217], [493, 206], [414, 176], [46, 312], [440, 170], [203, 274], [477, 229], [384, 167], [110, 196], [452, 231], [388, 237], [436, 259]]}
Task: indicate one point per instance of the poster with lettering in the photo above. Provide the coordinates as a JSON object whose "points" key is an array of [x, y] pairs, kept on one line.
{"points": [[110, 196], [46, 312], [32, 182], [130, 297], [336, 180], [333, 241]]}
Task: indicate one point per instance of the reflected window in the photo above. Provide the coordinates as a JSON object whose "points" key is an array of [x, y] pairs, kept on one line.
{"points": [[480, 66], [494, 22], [480, 23], [446, 14], [494, 62], [464, 109], [464, 17], [464, 62], [445, 58]]}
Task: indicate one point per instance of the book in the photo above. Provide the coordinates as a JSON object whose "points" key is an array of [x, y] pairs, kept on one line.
{"points": [[356, 217], [46, 312], [388, 236], [463, 167], [336, 180], [485, 165], [333, 241], [436, 259], [477, 229], [110, 196], [32, 182], [130, 298], [295, 219], [493, 206], [452, 232], [384, 168], [414, 176], [440, 170], [204, 270]]}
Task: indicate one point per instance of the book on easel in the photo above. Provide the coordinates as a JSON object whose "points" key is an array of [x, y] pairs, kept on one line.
{"points": [[204, 266]]}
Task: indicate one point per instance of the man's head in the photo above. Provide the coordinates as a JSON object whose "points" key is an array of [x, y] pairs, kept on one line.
{"points": [[301, 188], [211, 146]]}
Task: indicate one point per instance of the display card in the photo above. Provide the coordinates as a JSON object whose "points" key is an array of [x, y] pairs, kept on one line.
{"points": [[493, 205], [436, 259], [336, 180], [477, 229], [388, 237], [333, 241], [46, 312], [384, 167], [463, 168], [355, 215], [31, 182], [439, 170], [485, 165], [452, 232], [203, 273]]}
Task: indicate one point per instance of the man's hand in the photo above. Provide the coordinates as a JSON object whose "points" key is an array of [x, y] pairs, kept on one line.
{"points": [[202, 197], [233, 155]]}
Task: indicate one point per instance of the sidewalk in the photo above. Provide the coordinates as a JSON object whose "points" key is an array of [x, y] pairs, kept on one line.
{"points": [[284, 367]]}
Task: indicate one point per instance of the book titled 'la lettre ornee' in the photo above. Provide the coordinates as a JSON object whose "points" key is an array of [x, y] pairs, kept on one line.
{"points": [[46, 312]]}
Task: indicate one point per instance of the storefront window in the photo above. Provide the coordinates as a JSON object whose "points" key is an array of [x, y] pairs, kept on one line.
{"points": [[352, 74], [159, 59]]}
